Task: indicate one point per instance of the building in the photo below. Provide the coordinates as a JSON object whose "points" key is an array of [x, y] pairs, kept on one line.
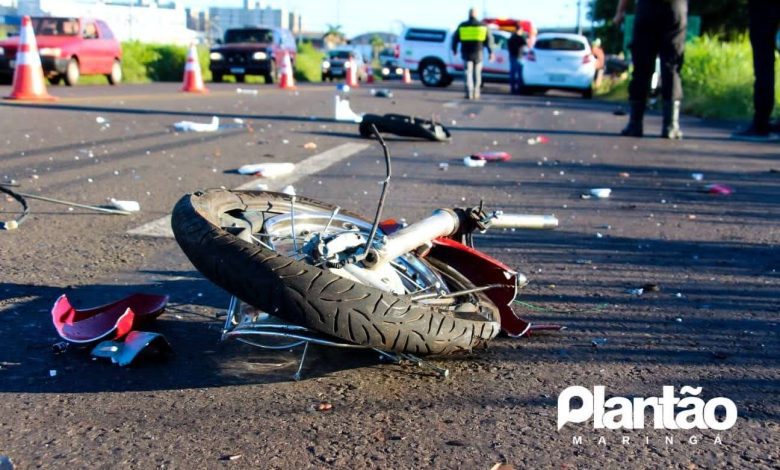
{"points": [[221, 19], [142, 20]]}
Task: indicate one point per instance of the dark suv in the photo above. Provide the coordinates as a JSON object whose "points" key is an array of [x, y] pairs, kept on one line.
{"points": [[251, 51]]}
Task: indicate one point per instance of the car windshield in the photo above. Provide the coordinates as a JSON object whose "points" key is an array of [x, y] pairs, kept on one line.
{"points": [[339, 54], [55, 26], [249, 35], [559, 44]]}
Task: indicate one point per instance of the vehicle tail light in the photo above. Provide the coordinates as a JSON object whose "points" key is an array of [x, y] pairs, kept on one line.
{"points": [[397, 51], [587, 58], [530, 56]]}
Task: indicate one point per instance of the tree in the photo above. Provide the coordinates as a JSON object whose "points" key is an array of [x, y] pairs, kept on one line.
{"points": [[377, 44], [726, 18], [334, 36]]}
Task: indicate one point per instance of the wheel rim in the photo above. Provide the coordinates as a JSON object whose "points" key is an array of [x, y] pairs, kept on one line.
{"points": [[73, 71], [116, 72], [431, 74]]}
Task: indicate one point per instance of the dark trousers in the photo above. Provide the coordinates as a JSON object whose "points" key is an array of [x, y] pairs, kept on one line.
{"points": [[659, 30], [515, 74], [764, 18]]}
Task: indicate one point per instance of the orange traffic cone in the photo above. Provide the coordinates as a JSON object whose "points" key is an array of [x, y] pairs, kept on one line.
{"points": [[28, 74], [407, 76], [352, 80], [286, 79], [193, 79]]}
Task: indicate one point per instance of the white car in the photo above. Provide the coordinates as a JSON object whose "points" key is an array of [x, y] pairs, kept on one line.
{"points": [[560, 61]]}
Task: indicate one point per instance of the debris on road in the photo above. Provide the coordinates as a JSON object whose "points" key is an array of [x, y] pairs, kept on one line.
{"points": [[444, 166], [136, 344], [310, 145], [128, 206], [624, 174], [246, 91], [112, 320], [539, 139], [697, 176], [13, 224], [650, 287], [267, 170], [289, 190], [227, 458], [190, 126], [52, 372], [636, 292], [472, 162], [54, 201], [101, 120], [495, 156], [59, 348], [718, 189], [382, 93], [599, 193], [343, 112], [596, 342], [324, 406]]}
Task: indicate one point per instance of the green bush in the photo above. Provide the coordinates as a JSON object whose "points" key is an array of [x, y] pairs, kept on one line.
{"points": [[308, 63]]}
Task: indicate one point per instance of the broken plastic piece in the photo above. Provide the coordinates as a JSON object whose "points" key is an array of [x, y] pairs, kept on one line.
{"points": [[601, 193], [719, 189], [289, 190], [382, 93], [492, 156], [343, 111], [472, 162], [129, 206], [123, 353], [190, 126], [637, 292], [697, 176], [267, 170], [113, 320]]}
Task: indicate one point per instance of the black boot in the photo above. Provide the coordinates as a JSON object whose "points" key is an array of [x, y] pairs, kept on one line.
{"points": [[671, 125], [634, 127]]}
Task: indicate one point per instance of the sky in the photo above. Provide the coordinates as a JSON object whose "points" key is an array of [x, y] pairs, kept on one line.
{"points": [[360, 16]]}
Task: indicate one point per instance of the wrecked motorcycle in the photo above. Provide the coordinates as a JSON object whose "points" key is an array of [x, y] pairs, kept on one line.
{"points": [[336, 278]]}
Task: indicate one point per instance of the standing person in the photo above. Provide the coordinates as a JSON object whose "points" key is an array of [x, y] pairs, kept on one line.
{"points": [[598, 53], [659, 29], [764, 16], [473, 36], [515, 47]]}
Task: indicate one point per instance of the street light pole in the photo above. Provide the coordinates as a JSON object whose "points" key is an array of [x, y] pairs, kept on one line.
{"points": [[579, 16]]}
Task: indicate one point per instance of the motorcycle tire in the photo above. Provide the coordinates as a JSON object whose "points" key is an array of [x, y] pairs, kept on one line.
{"points": [[313, 297]]}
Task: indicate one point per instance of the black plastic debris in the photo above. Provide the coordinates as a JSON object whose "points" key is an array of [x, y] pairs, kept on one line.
{"points": [[406, 126]]}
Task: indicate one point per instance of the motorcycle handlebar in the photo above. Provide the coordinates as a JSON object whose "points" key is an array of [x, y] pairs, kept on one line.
{"points": [[524, 221]]}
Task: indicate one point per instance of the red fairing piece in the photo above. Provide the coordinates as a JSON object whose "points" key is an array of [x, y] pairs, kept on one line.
{"points": [[492, 156], [111, 321]]}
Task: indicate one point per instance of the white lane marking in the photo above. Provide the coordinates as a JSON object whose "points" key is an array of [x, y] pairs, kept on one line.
{"points": [[161, 227], [451, 104]]}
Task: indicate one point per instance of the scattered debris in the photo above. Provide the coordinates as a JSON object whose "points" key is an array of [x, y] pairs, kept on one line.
{"points": [[324, 406], [624, 174], [697, 176], [227, 458], [584, 261], [14, 223], [600, 193], [267, 170], [636, 292], [246, 91], [128, 206], [190, 126], [20, 196], [472, 162], [343, 112], [598, 342], [310, 146], [539, 139], [101, 120], [289, 190], [382, 93], [123, 353], [718, 189], [650, 287], [59, 348], [52, 372], [112, 320], [679, 295], [444, 166], [496, 156]]}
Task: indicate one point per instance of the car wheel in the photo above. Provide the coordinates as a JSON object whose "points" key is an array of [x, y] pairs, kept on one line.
{"points": [[72, 72], [216, 77], [433, 73], [587, 93], [115, 77], [55, 79], [240, 78]]}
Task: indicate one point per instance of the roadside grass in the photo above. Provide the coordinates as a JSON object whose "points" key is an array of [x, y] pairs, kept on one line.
{"points": [[717, 79]]}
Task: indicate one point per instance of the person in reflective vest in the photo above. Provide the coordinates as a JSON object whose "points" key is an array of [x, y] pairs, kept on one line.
{"points": [[472, 36]]}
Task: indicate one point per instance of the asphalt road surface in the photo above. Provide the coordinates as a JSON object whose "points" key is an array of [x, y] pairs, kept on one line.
{"points": [[713, 324]]}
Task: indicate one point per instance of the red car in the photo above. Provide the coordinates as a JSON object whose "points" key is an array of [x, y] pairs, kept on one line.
{"points": [[69, 48]]}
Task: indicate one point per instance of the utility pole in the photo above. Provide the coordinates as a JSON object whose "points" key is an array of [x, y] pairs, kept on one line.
{"points": [[579, 16]]}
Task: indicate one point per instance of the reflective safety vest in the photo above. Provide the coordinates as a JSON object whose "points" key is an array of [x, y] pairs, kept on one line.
{"points": [[473, 33]]}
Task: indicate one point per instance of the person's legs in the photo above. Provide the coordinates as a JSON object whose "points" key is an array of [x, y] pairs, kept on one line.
{"points": [[469, 69], [671, 52], [763, 16], [477, 79], [514, 75], [644, 48]]}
